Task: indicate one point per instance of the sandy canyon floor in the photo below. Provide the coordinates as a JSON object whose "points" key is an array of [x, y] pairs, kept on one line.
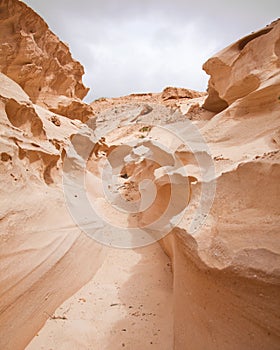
{"points": [[126, 305]]}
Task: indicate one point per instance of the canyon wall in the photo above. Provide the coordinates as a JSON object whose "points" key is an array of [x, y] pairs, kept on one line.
{"points": [[40, 85], [38, 237], [227, 276]]}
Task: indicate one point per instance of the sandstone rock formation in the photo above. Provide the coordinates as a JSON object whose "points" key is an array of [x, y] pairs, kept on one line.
{"points": [[39, 62], [177, 93], [237, 71], [38, 237], [218, 167], [228, 274]]}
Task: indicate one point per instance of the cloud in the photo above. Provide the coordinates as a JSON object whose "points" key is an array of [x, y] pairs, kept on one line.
{"points": [[142, 46]]}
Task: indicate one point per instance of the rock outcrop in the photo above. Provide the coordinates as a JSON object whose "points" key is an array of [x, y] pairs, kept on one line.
{"points": [[39, 62], [171, 93], [237, 71]]}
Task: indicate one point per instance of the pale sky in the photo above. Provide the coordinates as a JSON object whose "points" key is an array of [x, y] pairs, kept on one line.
{"points": [[130, 46]]}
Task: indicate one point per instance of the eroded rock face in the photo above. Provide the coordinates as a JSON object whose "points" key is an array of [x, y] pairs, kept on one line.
{"points": [[177, 93], [39, 62], [37, 235], [226, 277], [248, 67]]}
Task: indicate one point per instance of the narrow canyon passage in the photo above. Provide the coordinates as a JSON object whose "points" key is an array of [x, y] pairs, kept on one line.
{"points": [[191, 173], [126, 305]]}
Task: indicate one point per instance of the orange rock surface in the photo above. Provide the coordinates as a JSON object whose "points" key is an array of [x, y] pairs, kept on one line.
{"points": [[40, 63]]}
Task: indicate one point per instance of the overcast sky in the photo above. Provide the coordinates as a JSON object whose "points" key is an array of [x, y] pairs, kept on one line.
{"points": [[129, 46]]}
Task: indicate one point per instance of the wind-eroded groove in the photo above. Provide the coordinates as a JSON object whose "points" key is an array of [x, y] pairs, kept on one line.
{"points": [[36, 269]]}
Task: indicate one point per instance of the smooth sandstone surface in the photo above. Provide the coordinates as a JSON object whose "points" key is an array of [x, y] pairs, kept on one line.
{"points": [[215, 288], [38, 236], [237, 71]]}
